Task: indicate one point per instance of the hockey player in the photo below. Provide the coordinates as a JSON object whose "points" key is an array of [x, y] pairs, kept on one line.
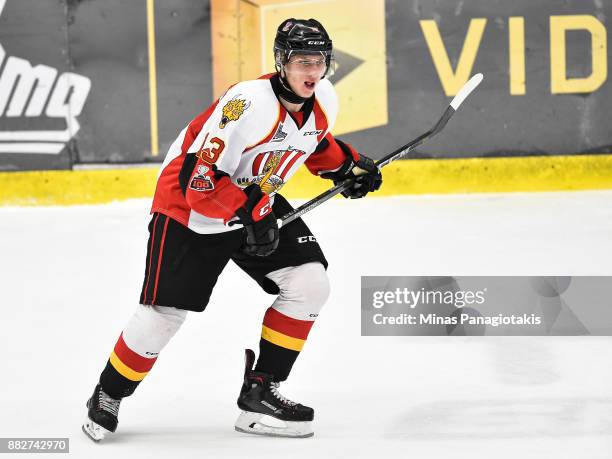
{"points": [[217, 199]]}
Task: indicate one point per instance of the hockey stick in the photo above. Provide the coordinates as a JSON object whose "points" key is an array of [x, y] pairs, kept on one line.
{"points": [[465, 91]]}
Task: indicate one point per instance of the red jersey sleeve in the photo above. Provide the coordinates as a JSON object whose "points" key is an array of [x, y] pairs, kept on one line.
{"points": [[213, 157], [210, 192], [331, 155]]}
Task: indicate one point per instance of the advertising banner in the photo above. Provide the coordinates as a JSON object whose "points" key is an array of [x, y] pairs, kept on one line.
{"points": [[113, 82]]}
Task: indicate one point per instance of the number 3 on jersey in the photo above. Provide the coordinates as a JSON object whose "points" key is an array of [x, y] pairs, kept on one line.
{"points": [[211, 154]]}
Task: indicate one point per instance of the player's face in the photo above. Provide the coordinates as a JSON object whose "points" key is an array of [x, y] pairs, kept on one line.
{"points": [[303, 72]]}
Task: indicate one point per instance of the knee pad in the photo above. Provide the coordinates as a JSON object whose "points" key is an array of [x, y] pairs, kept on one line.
{"points": [[151, 328], [304, 290]]}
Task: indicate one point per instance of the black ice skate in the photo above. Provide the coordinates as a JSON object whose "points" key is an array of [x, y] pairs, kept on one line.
{"points": [[101, 415], [265, 411]]}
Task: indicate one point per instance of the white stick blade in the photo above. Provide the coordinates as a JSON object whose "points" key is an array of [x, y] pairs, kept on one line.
{"points": [[466, 90]]}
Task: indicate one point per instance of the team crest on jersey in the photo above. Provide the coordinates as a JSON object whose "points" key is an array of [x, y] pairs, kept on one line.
{"points": [[200, 181], [233, 110], [270, 169]]}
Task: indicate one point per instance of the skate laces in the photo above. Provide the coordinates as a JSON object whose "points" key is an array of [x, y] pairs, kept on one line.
{"points": [[107, 403], [274, 389]]}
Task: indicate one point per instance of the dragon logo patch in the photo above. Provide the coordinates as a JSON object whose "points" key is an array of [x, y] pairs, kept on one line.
{"points": [[233, 110]]}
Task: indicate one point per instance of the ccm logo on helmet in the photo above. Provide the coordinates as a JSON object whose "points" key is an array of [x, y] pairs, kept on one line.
{"points": [[315, 42]]}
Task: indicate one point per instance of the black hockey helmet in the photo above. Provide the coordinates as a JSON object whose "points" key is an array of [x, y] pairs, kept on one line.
{"points": [[303, 36]]}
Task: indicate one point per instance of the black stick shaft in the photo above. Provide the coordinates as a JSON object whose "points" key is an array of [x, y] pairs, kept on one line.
{"points": [[465, 91]]}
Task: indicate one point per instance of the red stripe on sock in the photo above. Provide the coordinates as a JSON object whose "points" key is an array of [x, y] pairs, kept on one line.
{"points": [[135, 361], [286, 325]]}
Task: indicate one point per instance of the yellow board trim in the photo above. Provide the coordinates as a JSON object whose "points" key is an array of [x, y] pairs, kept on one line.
{"points": [[427, 176], [76, 187], [281, 340], [124, 370]]}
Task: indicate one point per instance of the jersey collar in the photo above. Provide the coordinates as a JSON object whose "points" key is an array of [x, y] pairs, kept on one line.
{"points": [[306, 109]]}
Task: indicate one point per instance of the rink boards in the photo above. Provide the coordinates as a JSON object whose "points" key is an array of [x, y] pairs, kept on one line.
{"points": [[73, 96]]}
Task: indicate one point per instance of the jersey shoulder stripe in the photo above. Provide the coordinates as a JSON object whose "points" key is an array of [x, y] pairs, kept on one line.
{"points": [[327, 99]]}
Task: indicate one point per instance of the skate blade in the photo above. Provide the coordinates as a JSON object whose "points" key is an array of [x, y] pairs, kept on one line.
{"points": [[94, 431], [262, 424]]}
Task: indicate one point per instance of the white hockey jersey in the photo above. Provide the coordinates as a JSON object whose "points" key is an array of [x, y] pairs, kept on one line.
{"points": [[245, 137]]}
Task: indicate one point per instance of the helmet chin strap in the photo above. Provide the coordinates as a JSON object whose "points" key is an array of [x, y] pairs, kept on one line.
{"points": [[286, 92]]}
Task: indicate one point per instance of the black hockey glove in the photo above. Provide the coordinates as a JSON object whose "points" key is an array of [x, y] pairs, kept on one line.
{"points": [[367, 176], [260, 227]]}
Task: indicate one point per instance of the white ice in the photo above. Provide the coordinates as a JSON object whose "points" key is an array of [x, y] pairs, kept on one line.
{"points": [[70, 278]]}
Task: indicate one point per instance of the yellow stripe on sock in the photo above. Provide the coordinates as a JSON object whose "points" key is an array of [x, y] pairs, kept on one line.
{"points": [[281, 340], [124, 370]]}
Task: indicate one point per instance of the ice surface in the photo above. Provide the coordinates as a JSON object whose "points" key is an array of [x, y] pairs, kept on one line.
{"points": [[71, 278]]}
